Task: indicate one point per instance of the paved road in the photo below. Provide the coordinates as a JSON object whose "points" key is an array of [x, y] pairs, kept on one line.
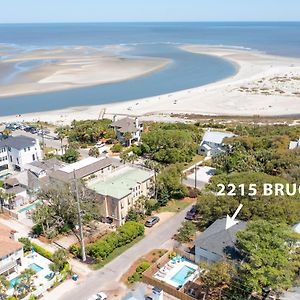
{"points": [[293, 295], [113, 271]]}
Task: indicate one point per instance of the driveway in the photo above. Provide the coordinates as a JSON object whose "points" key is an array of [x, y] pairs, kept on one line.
{"points": [[107, 278], [202, 177]]}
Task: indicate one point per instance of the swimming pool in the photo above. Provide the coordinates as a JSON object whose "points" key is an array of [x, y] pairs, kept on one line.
{"points": [[35, 267], [29, 207], [13, 282], [182, 276]]}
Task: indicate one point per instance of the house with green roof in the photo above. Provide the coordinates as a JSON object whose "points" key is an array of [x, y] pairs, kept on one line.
{"points": [[121, 189]]}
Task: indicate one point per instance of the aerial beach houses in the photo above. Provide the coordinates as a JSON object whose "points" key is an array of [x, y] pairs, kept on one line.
{"points": [[17, 151], [11, 251], [212, 143], [121, 189], [117, 186], [128, 126], [217, 242]]}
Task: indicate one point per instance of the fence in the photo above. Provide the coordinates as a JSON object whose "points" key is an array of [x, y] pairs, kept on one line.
{"points": [[11, 213], [147, 277], [185, 253]]}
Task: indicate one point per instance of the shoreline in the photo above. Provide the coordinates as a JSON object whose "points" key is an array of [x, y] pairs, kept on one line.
{"points": [[264, 85], [61, 69]]}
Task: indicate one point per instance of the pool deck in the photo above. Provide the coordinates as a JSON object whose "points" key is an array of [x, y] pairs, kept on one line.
{"points": [[37, 259], [170, 269]]}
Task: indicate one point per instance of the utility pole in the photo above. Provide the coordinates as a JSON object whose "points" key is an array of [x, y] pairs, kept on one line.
{"points": [[195, 176], [43, 137], [79, 219]]}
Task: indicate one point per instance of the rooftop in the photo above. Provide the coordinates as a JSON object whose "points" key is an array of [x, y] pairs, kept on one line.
{"points": [[7, 244], [125, 125], [218, 240], [45, 165], [216, 137], [17, 142], [120, 183], [83, 168]]}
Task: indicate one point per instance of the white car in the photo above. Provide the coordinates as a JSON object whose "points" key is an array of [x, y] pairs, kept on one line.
{"points": [[102, 148], [98, 296]]}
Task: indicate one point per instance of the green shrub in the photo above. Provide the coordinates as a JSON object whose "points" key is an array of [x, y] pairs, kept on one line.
{"points": [[40, 250], [116, 148], [137, 275], [75, 250], [26, 244], [142, 267], [37, 229], [134, 278], [124, 235]]}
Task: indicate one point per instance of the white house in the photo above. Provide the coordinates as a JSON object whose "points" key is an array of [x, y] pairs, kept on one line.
{"points": [[128, 125], [294, 144], [212, 142], [17, 151], [11, 251]]}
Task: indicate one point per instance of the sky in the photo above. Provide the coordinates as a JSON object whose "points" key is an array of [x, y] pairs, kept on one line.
{"points": [[40, 11]]}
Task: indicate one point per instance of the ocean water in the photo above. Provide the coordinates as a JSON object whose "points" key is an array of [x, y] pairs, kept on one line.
{"points": [[187, 70]]}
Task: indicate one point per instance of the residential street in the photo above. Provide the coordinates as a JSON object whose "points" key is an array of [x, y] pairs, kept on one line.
{"points": [[108, 277]]}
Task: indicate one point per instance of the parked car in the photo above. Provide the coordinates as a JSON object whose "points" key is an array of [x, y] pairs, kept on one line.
{"points": [[43, 131], [191, 214], [98, 296], [102, 148], [152, 221], [29, 128]]}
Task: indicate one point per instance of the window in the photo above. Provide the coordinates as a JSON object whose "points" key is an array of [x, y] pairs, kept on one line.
{"points": [[24, 149], [33, 157], [9, 149]]}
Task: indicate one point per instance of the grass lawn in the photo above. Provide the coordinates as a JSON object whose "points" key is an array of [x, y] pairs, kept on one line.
{"points": [[176, 205], [116, 253]]}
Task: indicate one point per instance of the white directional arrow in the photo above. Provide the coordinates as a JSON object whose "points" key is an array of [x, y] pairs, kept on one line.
{"points": [[230, 221]]}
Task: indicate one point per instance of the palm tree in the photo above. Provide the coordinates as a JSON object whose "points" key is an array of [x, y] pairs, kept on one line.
{"points": [[60, 131]]}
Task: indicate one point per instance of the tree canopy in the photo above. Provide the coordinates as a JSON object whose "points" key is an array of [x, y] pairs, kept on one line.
{"points": [[271, 258]]}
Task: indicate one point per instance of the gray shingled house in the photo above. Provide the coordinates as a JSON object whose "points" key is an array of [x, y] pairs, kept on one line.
{"points": [[127, 125], [217, 243]]}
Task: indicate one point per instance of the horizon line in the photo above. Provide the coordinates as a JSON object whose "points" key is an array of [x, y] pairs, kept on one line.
{"points": [[111, 22]]}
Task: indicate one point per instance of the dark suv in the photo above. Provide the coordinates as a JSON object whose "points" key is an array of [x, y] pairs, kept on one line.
{"points": [[152, 221], [191, 214]]}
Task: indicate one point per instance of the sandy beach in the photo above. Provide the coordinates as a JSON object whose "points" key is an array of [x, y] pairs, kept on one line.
{"points": [[264, 85], [65, 68]]}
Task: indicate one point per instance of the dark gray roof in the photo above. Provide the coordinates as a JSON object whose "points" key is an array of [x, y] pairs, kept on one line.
{"points": [[125, 125], [51, 164], [15, 190], [17, 142], [218, 240]]}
